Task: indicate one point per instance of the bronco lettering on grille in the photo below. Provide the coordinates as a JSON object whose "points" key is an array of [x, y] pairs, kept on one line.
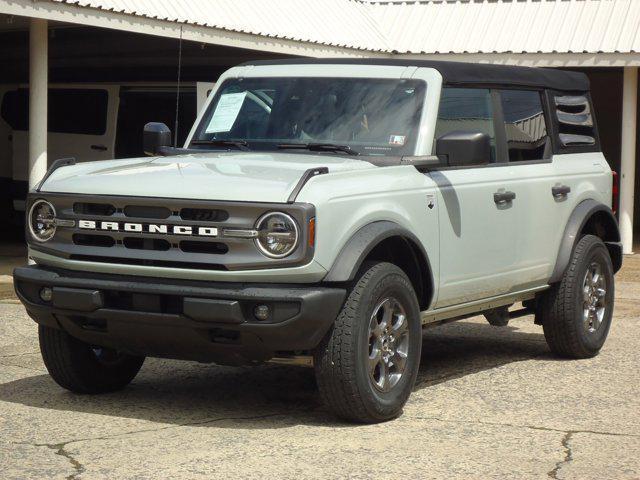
{"points": [[148, 228]]}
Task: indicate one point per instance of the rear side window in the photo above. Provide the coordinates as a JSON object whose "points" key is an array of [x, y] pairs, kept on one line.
{"points": [[575, 121], [468, 110], [525, 125], [77, 111]]}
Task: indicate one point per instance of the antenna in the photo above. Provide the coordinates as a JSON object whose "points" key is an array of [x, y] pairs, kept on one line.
{"points": [[175, 128]]}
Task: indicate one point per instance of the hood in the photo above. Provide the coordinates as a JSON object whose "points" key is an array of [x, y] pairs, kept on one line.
{"points": [[231, 176]]}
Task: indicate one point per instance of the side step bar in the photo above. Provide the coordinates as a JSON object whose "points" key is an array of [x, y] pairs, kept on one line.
{"points": [[478, 307]]}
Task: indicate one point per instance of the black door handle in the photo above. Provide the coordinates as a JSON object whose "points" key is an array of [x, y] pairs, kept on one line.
{"points": [[560, 191], [502, 198], [102, 148]]}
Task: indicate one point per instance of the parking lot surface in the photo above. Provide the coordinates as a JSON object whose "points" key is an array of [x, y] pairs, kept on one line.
{"points": [[489, 403]]}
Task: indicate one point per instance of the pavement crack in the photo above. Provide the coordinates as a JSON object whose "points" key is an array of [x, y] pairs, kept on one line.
{"points": [[180, 425], [566, 438], [531, 427], [60, 449], [568, 455], [13, 355]]}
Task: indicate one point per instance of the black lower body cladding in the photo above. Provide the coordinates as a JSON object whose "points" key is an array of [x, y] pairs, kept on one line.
{"points": [[204, 321]]}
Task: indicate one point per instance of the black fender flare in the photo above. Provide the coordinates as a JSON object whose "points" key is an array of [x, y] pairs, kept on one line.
{"points": [[583, 212], [362, 242]]}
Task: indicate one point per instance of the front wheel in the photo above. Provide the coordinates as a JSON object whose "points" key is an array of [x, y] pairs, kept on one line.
{"points": [[576, 313], [83, 368], [367, 365]]}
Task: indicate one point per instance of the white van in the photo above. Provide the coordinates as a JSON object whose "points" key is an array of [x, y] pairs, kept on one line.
{"points": [[87, 122]]}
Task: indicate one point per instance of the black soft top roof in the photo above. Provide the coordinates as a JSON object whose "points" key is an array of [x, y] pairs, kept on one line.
{"points": [[460, 73]]}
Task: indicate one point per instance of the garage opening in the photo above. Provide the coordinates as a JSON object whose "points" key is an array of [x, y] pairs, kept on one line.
{"points": [[104, 86]]}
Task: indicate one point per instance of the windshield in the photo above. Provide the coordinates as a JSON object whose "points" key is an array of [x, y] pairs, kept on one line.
{"points": [[367, 116]]}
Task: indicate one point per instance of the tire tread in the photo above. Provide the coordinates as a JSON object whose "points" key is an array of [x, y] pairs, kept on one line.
{"points": [[557, 309], [335, 358], [72, 365]]}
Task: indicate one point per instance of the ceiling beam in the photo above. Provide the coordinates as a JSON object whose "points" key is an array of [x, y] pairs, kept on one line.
{"points": [[62, 12]]}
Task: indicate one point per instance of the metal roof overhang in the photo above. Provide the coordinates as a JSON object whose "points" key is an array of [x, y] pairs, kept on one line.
{"points": [[539, 33], [554, 33], [94, 17]]}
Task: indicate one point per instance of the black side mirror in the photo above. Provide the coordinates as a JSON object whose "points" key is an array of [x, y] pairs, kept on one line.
{"points": [[154, 137], [464, 148]]}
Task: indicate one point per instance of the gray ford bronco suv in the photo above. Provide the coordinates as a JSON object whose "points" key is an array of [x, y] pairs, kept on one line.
{"points": [[324, 212]]}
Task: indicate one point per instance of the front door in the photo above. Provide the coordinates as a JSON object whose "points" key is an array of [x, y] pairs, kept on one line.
{"points": [[477, 233], [477, 216]]}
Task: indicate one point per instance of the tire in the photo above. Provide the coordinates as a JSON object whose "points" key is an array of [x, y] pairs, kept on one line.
{"points": [[569, 331], [80, 368], [346, 384]]}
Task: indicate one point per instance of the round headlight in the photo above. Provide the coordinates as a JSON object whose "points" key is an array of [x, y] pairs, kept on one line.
{"points": [[277, 234], [42, 221]]}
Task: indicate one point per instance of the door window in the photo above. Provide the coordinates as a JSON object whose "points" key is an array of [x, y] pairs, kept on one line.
{"points": [[468, 110], [76, 111], [525, 125]]}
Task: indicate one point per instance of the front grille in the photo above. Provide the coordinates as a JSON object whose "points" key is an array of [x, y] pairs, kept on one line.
{"points": [[138, 243], [204, 215], [93, 240], [144, 211], [213, 248], [172, 233], [98, 209]]}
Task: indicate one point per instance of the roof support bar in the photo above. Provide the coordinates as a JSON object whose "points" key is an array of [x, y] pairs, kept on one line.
{"points": [[38, 92], [628, 156]]}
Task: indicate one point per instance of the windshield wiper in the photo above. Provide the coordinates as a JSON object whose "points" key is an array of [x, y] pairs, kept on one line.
{"points": [[319, 147], [239, 144]]}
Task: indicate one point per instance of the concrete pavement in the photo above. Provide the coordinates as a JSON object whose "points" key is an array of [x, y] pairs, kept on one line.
{"points": [[489, 403]]}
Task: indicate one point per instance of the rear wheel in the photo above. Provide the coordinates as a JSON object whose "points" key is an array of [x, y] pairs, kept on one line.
{"points": [[83, 368], [576, 313], [368, 363]]}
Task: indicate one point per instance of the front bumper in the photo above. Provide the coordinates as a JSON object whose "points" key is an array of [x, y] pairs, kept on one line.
{"points": [[189, 320]]}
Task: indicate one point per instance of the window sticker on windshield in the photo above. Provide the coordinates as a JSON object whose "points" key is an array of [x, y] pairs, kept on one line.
{"points": [[226, 112], [397, 140]]}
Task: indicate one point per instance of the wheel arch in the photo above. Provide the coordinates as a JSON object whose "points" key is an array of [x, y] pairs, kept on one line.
{"points": [[386, 241], [589, 218]]}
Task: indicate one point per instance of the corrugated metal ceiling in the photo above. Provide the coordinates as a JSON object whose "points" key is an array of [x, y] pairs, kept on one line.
{"points": [[427, 27], [490, 26], [342, 23]]}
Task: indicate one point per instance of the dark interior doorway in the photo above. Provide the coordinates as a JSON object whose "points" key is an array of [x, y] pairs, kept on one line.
{"points": [[139, 106]]}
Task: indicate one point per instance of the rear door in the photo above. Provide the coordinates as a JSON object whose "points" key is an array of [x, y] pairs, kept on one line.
{"points": [[81, 124], [548, 186], [528, 149]]}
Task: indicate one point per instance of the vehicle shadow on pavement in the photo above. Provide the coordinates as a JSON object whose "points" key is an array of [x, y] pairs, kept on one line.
{"points": [[464, 348], [270, 396]]}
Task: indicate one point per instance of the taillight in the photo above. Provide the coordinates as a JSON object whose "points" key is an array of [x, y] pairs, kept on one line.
{"points": [[615, 193]]}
